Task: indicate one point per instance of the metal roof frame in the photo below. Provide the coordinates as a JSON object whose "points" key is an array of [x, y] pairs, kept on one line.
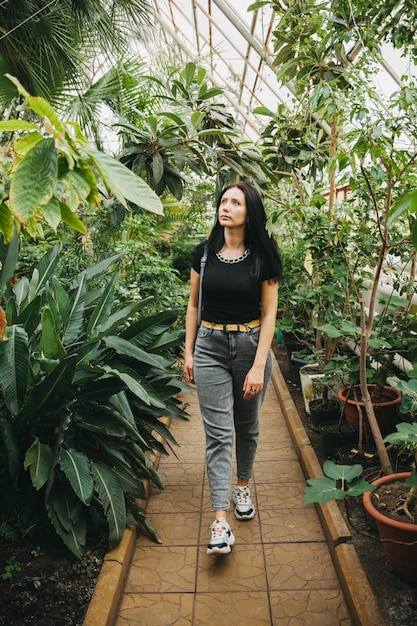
{"points": [[240, 46]]}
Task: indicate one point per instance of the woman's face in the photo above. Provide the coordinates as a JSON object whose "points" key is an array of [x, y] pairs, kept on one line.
{"points": [[232, 211]]}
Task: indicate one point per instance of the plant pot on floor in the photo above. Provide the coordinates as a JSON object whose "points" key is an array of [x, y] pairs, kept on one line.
{"points": [[385, 409], [311, 384], [351, 455], [334, 435], [399, 539], [296, 363], [292, 344], [320, 412]]}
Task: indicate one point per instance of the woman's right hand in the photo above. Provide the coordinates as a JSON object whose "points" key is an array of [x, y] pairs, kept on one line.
{"points": [[189, 368]]}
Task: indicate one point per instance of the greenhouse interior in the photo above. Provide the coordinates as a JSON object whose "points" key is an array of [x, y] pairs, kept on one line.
{"points": [[123, 123]]}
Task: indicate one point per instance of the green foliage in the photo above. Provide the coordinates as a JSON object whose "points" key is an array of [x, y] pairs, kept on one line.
{"points": [[84, 382], [339, 481], [196, 135], [11, 566], [47, 44], [406, 434], [51, 173], [408, 390]]}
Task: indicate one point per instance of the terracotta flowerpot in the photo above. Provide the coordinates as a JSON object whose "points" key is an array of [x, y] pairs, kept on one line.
{"points": [[399, 539], [385, 411]]}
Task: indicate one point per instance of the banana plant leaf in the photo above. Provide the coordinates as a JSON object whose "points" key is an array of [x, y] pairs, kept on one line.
{"points": [[126, 348], [8, 258], [50, 343], [14, 368], [111, 495], [76, 467], [65, 512], [102, 310], [131, 482], [54, 391], [39, 461], [145, 330], [74, 321], [44, 271]]}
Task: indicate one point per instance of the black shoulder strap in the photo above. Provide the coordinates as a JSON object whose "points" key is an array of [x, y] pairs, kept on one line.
{"points": [[200, 293]]}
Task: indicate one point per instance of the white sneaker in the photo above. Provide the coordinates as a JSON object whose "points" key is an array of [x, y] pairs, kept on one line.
{"points": [[244, 508], [222, 538]]}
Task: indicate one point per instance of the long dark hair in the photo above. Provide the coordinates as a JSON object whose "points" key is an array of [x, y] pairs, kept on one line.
{"points": [[263, 247]]}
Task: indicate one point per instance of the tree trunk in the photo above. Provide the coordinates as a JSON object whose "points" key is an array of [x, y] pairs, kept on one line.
{"points": [[366, 398]]}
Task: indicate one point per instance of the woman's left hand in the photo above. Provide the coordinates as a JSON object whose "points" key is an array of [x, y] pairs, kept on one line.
{"points": [[254, 383]]}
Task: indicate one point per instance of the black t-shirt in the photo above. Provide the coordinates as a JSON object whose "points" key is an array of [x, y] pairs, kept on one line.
{"points": [[230, 293]]}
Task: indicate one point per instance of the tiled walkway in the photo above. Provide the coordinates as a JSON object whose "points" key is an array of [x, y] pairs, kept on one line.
{"points": [[279, 572]]}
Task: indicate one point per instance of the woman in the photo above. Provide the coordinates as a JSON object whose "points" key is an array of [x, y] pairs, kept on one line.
{"points": [[227, 355]]}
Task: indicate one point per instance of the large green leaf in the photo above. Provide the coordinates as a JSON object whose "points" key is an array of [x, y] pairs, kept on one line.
{"points": [[95, 270], [110, 423], [166, 341], [103, 309], [129, 480], [39, 460], [111, 495], [61, 299], [404, 204], [76, 467], [44, 270], [145, 330], [9, 126], [50, 343], [74, 323], [138, 386], [33, 182], [100, 390], [14, 368], [126, 348], [7, 222], [65, 512], [52, 213], [44, 109], [20, 292], [8, 258], [72, 220], [55, 389], [125, 184], [28, 315], [122, 315]]}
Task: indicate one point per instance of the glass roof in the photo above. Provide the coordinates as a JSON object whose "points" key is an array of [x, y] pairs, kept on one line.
{"points": [[234, 45], [231, 43]]}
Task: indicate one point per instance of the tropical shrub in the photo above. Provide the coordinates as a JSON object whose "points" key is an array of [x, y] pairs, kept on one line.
{"points": [[50, 173], [84, 382]]}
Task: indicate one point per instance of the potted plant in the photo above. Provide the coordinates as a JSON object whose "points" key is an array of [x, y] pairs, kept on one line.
{"points": [[338, 482], [394, 508], [396, 523], [408, 388], [382, 178]]}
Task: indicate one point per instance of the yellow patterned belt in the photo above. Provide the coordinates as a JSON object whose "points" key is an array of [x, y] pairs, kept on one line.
{"points": [[241, 327]]}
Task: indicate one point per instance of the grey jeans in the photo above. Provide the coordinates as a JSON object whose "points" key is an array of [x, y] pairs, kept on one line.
{"points": [[221, 362]]}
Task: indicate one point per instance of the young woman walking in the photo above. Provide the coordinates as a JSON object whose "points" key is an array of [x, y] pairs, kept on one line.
{"points": [[227, 353]]}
